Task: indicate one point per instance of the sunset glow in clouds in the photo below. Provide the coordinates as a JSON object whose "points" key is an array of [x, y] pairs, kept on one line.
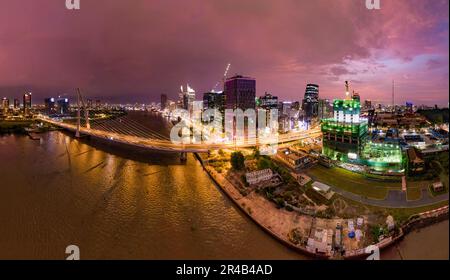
{"points": [[135, 50]]}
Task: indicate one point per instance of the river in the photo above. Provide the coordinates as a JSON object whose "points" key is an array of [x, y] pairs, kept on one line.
{"points": [[115, 203]]}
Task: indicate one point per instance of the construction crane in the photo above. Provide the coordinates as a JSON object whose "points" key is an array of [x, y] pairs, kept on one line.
{"points": [[223, 79]]}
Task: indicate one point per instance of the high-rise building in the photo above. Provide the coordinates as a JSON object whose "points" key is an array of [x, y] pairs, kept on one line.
{"points": [[325, 109], [172, 105], [345, 134], [27, 103], [163, 101], [355, 96], [268, 101], [62, 105], [50, 105], [214, 100], [16, 103], [371, 116], [286, 107], [5, 105], [311, 101], [89, 103], [187, 97], [409, 107], [367, 104], [98, 104], [240, 92], [58, 105]]}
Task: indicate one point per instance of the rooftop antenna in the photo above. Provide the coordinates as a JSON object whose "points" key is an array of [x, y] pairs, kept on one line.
{"points": [[346, 90], [393, 101]]}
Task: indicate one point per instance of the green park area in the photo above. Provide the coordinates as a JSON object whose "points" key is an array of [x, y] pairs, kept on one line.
{"points": [[352, 182], [15, 126], [413, 193]]}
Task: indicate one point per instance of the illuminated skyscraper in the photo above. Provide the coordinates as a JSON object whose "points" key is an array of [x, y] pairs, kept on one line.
{"points": [[16, 103], [62, 105], [50, 105], [325, 109], [27, 103], [268, 101], [5, 105], [187, 97], [355, 96], [214, 100], [311, 101], [240, 92], [345, 134], [163, 101], [286, 107], [409, 107]]}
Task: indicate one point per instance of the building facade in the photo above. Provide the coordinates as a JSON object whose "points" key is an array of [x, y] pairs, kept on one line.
{"points": [[163, 101], [325, 109], [187, 97], [345, 134], [16, 104], [214, 100], [311, 101], [258, 176], [27, 103], [62, 105], [240, 92], [268, 101], [5, 105], [49, 104]]}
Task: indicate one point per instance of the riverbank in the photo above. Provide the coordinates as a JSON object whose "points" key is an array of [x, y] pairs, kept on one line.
{"points": [[255, 208], [16, 126], [279, 222]]}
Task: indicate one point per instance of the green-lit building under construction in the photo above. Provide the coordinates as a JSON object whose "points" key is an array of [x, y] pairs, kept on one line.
{"points": [[346, 139], [345, 134]]}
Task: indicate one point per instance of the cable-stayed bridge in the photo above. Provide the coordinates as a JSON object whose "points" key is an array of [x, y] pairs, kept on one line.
{"points": [[131, 132]]}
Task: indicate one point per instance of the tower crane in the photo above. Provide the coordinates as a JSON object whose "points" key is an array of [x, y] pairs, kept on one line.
{"points": [[223, 78]]}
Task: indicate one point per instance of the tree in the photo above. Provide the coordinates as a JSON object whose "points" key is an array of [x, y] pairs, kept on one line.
{"points": [[264, 163], [256, 153], [237, 160]]}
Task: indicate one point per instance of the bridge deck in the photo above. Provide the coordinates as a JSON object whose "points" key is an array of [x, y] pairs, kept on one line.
{"points": [[169, 146]]}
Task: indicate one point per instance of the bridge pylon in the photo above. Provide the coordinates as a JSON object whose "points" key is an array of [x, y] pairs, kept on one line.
{"points": [[183, 156], [77, 132], [80, 102]]}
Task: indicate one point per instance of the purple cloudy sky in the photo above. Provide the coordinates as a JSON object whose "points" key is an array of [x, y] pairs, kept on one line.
{"points": [[134, 50]]}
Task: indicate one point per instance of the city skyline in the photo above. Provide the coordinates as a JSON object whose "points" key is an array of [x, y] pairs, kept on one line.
{"points": [[220, 131], [135, 52]]}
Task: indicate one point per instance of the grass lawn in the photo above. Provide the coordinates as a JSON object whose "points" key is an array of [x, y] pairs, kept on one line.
{"points": [[399, 214], [413, 193], [414, 189], [352, 182]]}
